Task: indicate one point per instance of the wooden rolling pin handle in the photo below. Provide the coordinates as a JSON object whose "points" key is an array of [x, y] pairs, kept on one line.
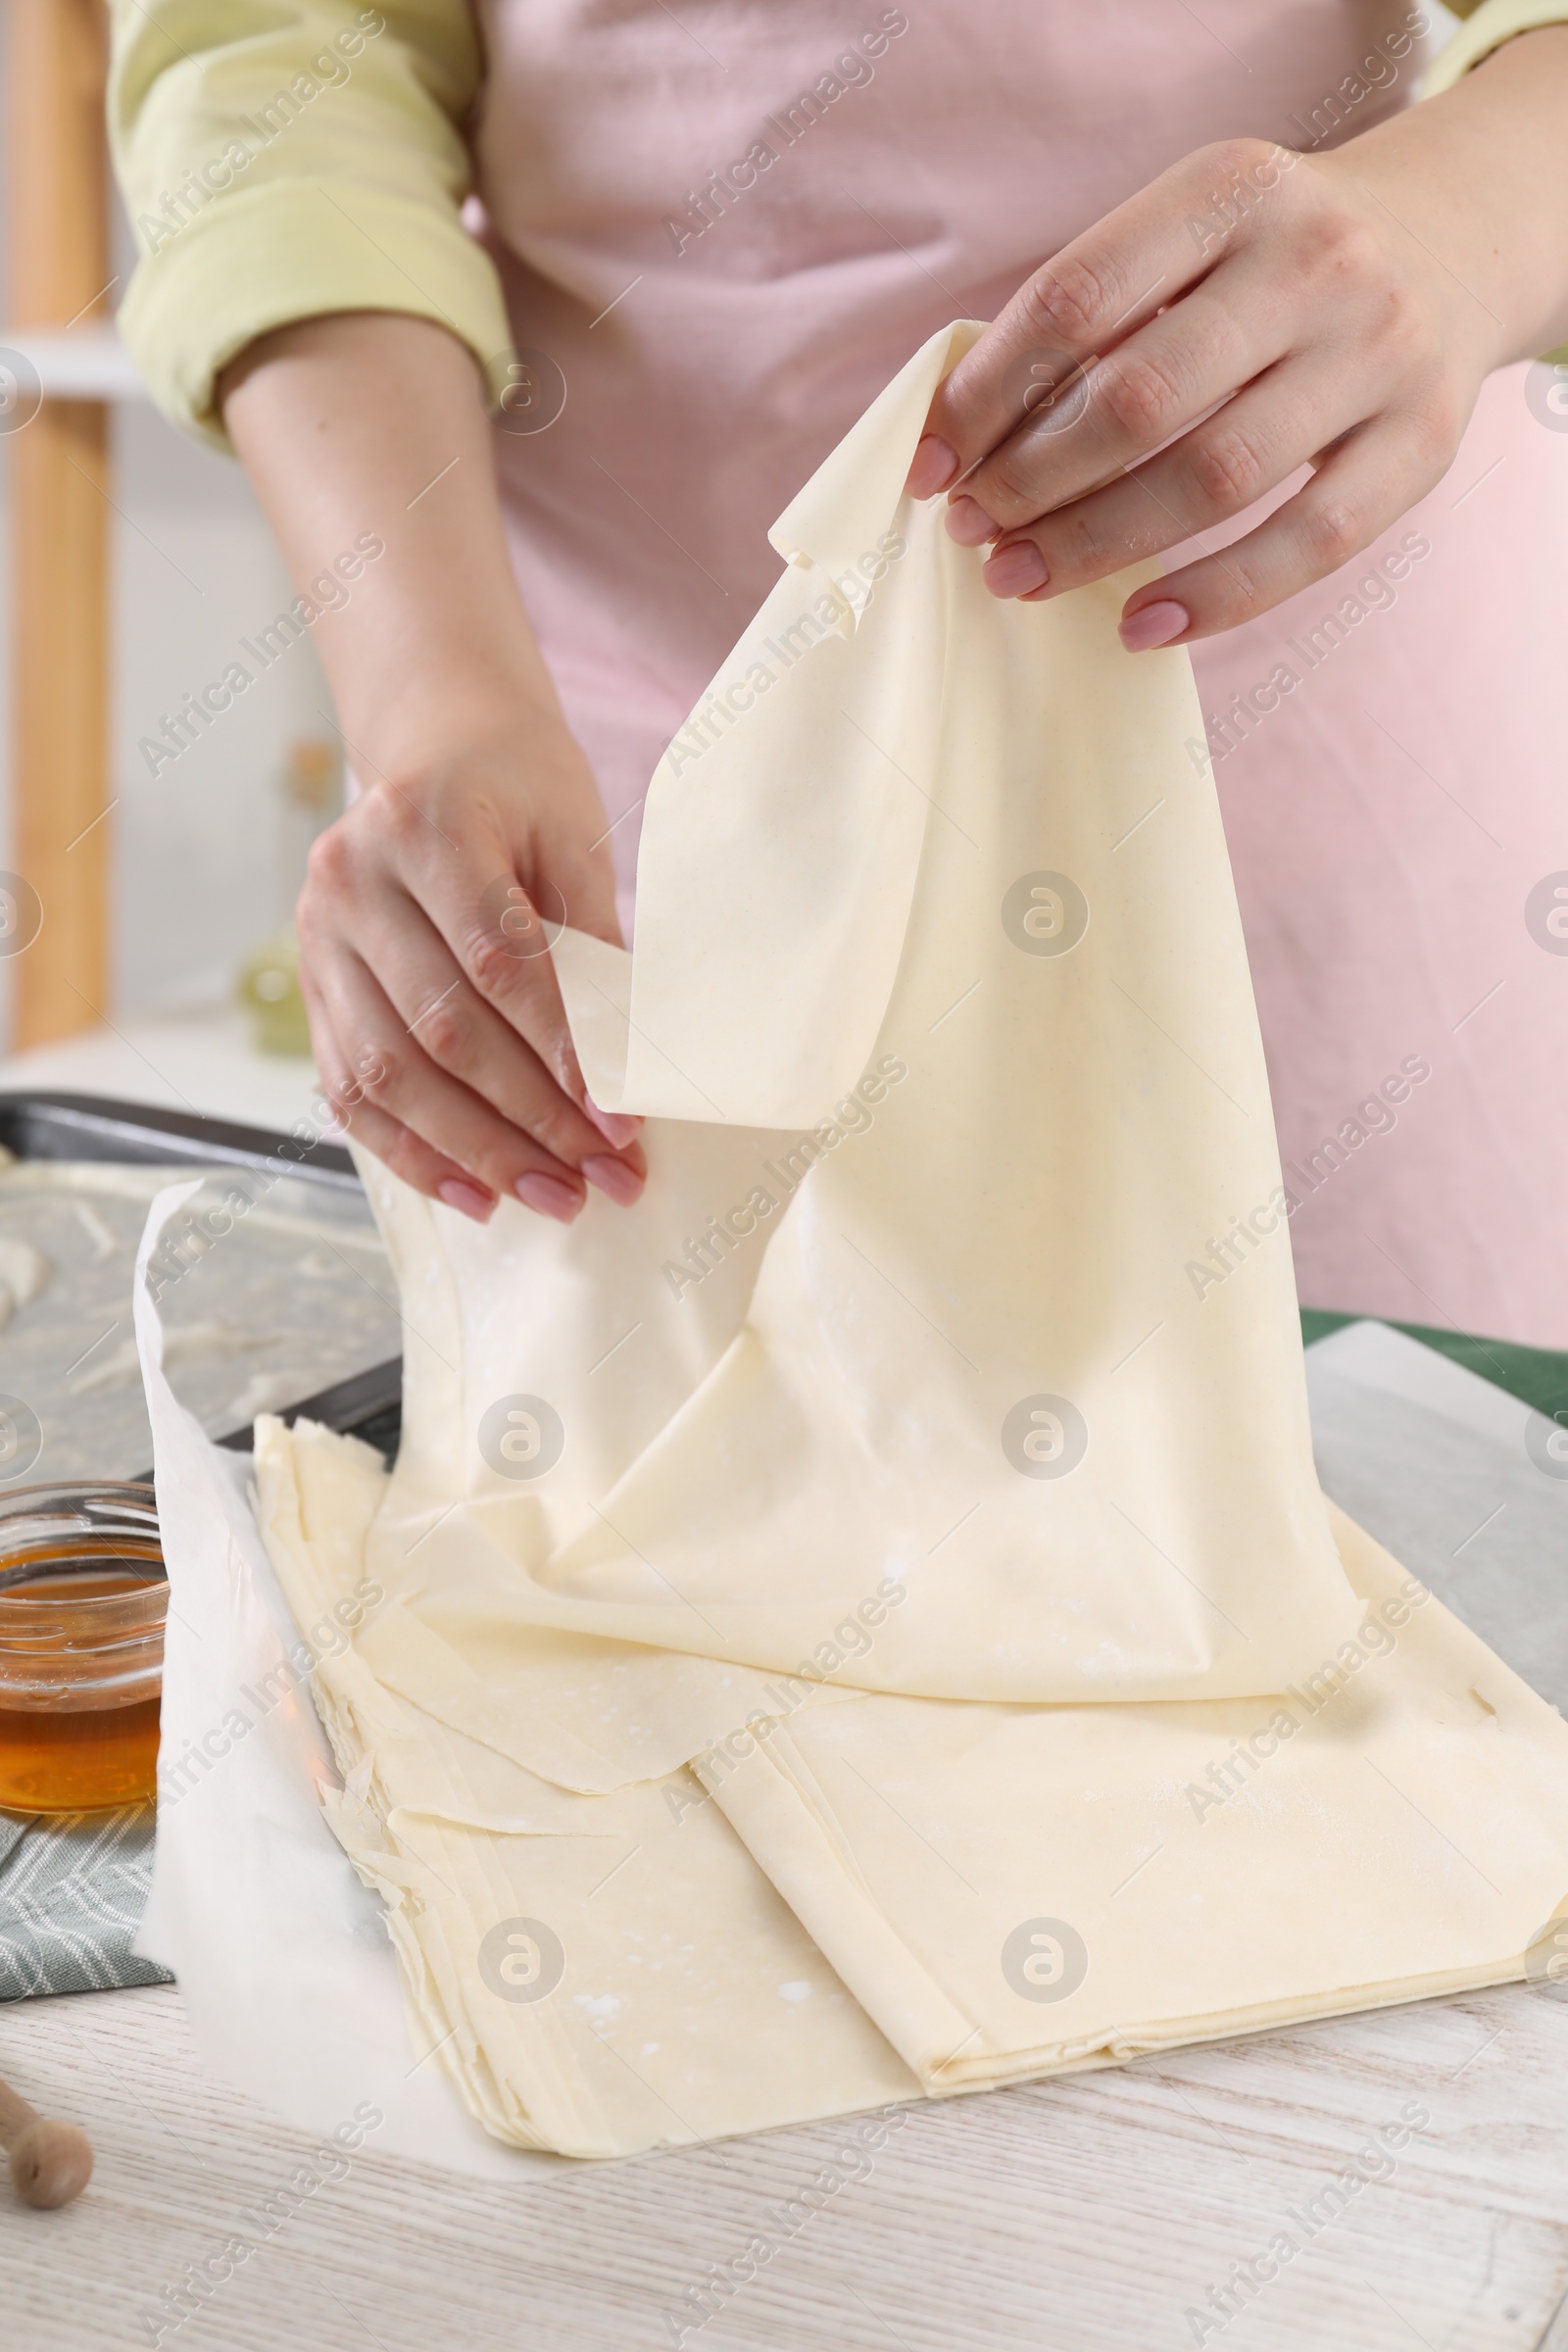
{"points": [[50, 2163]]}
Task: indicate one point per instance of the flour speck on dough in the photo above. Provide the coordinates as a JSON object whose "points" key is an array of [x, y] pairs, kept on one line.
{"points": [[99, 1233], [24, 1272]]}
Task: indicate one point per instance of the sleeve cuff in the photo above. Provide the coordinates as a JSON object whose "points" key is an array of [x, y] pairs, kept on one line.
{"points": [[1493, 23], [262, 257]]}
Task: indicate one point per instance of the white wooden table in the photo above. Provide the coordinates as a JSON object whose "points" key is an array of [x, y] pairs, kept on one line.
{"points": [[1089, 2214]]}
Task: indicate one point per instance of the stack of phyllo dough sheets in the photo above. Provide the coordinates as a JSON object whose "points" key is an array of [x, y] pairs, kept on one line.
{"points": [[862, 1622]]}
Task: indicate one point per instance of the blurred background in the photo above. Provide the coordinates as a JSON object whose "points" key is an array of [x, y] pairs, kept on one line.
{"points": [[134, 568], [132, 565]]}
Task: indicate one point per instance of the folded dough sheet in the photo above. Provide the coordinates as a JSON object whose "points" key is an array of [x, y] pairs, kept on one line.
{"points": [[863, 1620]]}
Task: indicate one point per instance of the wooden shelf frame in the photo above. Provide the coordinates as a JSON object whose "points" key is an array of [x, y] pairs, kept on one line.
{"points": [[58, 269]]}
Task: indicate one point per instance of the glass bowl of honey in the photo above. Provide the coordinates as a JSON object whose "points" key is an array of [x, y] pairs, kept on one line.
{"points": [[83, 1594]]}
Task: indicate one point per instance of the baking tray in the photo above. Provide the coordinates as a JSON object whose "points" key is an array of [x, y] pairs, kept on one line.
{"points": [[91, 1127]]}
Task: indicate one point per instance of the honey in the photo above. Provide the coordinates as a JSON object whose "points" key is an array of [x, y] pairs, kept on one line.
{"points": [[82, 1602], [80, 1762]]}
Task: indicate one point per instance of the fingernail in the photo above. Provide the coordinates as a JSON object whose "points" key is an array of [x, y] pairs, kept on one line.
{"points": [[613, 1176], [969, 524], [467, 1196], [1155, 624], [1013, 570], [548, 1195], [936, 461], [612, 1125]]}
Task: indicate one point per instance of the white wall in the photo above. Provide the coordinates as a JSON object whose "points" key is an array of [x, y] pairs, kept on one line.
{"points": [[199, 848]]}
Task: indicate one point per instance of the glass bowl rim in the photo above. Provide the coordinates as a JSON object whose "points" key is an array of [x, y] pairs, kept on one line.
{"points": [[139, 1497]]}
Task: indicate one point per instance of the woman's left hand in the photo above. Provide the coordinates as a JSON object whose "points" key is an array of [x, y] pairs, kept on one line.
{"points": [[1250, 311]]}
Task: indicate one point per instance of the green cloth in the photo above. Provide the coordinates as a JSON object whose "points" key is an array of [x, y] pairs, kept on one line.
{"points": [[73, 1890]]}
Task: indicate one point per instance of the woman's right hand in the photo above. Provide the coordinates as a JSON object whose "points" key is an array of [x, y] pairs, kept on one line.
{"points": [[424, 929], [439, 1032]]}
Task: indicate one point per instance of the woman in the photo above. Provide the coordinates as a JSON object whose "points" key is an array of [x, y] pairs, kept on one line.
{"points": [[697, 243]]}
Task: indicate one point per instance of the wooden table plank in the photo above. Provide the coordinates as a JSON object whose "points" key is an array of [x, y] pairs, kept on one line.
{"points": [[1089, 2213]]}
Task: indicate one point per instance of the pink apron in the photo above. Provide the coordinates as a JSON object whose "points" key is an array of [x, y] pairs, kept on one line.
{"points": [[722, 227]]}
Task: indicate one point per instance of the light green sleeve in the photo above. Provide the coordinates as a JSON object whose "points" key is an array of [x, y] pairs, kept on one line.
{"points": [[1487, 26], [281, 159]]}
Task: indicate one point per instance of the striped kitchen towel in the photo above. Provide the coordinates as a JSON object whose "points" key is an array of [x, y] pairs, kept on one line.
{"points": [[72, 1888]]}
